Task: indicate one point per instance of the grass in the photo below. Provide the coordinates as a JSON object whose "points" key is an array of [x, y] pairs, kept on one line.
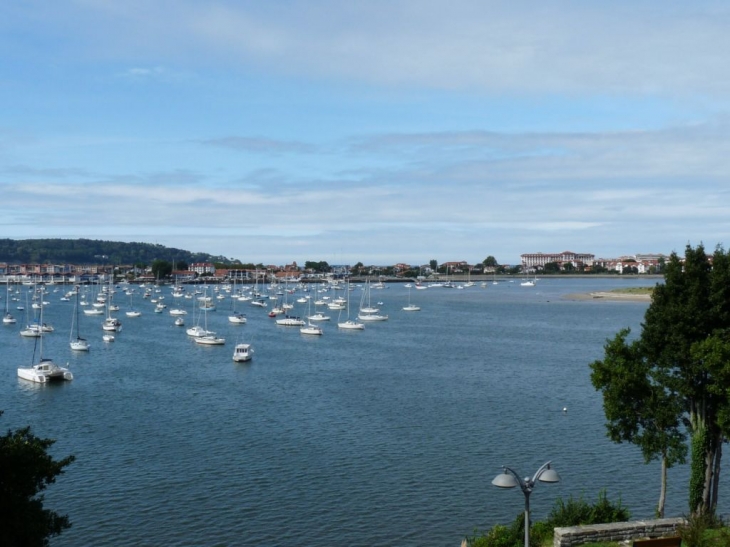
{"points": [[635, 290]]}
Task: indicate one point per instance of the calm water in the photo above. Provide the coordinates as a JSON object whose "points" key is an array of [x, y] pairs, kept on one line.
{"points": [[389, 436]]}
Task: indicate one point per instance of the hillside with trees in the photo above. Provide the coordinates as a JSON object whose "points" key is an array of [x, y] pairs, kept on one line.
{"points": [[92, 251]]}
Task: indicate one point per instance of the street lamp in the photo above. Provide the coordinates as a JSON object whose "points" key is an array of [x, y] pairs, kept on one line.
{"points": [[509, 479]]}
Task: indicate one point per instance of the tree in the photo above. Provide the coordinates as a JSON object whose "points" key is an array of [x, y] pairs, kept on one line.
{"points": [[490, 262], [679, 359], [433, 264], [26, 469], [638, 410], [161, 269]]}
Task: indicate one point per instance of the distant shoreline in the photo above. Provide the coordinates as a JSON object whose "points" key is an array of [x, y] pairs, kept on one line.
{"points": [[609, 296]]}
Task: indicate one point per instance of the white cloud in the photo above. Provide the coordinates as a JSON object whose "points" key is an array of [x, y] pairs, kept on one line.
{"points": [[663, 48]]}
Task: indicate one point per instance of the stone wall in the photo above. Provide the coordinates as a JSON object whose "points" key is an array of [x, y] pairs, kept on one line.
{"points": [[616, 531]]}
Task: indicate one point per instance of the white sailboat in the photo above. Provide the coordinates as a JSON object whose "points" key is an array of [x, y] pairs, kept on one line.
{"points": [[209, 338], [8, 318], [369, 313], [236, 318], [133, 312], [349, 324], [309, 328], [204, 336], [77, 343], [410, 307], [45, 370]]}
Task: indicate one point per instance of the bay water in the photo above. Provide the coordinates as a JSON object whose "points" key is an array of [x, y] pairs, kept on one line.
{"points": [[388, 436]]}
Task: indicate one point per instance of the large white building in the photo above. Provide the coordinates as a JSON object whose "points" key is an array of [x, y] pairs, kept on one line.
{"points": [[538, 260]]}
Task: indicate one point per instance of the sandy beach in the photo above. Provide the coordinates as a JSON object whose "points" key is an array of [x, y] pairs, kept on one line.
{"points": [[609, 296]]}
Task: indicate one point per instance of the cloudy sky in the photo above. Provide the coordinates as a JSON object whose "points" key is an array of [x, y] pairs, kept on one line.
{"points": [[378, 131]]}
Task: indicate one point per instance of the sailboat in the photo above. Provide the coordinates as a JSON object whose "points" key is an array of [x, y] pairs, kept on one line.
{"points": [[78, 343], [209, 338], [8, 318], [410, 307], [45, 370], [528, 282], [309, 328], [349, 324], [369, 313], [111, 324], [132, 311], [236, 317]]}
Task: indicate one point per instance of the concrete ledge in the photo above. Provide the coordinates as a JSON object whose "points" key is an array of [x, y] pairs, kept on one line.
{"points": [[616, 531]]}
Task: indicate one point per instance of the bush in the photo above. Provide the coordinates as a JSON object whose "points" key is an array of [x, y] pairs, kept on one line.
{"points": [[571, 513], [576, 512]]}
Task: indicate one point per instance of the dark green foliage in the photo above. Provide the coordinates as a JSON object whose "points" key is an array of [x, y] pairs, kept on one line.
{"points": [[578, 511], [91, 251], [573, 512], [26, 469], [694, 532]]}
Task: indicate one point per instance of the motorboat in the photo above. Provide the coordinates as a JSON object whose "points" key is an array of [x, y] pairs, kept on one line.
{"points": [[176, 311], [242, 352], [411, 307], [44, 372], [108, 337], [179, 322]]}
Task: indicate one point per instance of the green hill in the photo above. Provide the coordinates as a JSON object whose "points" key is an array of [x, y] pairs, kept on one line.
{"points": [[92, 251]]}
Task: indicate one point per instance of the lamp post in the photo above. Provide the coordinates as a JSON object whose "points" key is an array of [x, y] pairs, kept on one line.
{"points": [[509, 479]]}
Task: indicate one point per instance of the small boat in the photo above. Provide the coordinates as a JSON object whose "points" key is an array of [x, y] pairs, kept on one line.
{"points": [[237, 318], [318, 317], [77, 343], [197, 331], [371, 317], [108, 338], [179, 322], [311, 329], [133, 313], [242, 352], [209, 340], [44, 372], [112, 324], [291, 322], [8, 318], [351, 325]]}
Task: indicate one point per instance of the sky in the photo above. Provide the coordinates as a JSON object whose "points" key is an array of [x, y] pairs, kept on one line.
{"points": [[378, 131]]}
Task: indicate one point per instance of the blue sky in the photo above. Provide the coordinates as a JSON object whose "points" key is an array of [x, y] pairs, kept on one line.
{"points": [[373, 131]]}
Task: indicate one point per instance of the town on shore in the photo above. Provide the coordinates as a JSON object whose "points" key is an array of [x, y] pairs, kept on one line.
{"points": [[565, 263]]}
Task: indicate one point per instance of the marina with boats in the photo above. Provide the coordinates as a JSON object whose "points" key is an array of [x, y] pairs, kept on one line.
{"points": [[420, 407]]}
